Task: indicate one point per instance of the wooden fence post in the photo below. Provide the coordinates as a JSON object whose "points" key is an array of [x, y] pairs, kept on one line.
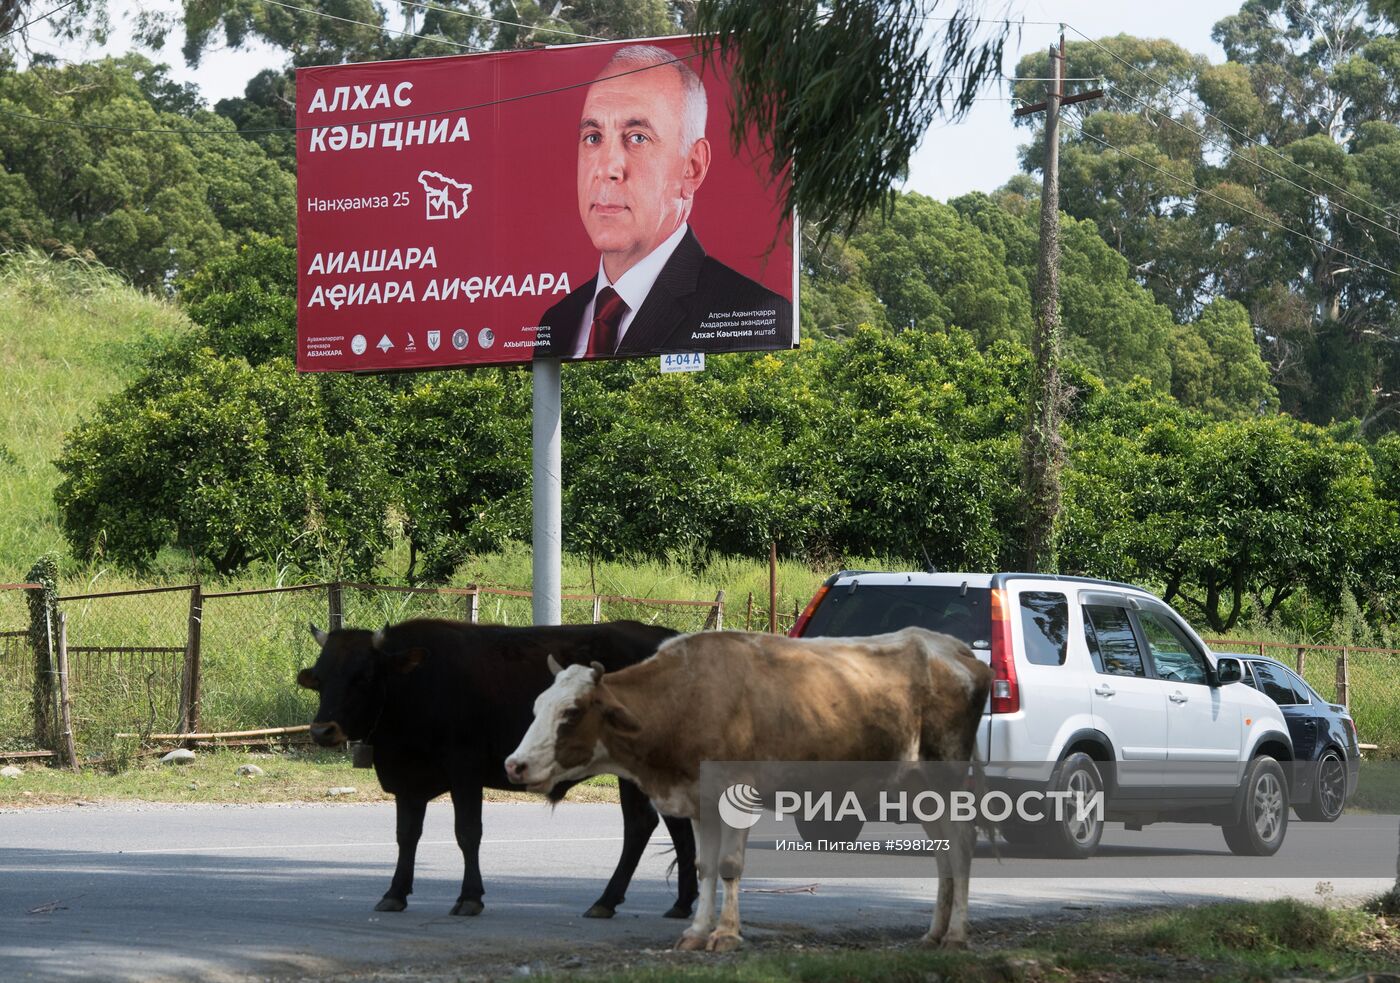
{"points": [[1343, 681], [189, 716], [335, 605], [748, 614], [65, 702], [1302, 656], [716, 617], [773, 588]]}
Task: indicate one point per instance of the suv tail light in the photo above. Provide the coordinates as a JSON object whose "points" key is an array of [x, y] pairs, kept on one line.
{"points": [[800, 624], [1006, 694]]}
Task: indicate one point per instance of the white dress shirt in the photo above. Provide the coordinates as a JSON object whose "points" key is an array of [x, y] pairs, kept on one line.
{"points": [[633, 287]]}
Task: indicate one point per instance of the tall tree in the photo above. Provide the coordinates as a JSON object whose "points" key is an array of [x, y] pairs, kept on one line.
{"points": [[94, 161], [1269, 180]]}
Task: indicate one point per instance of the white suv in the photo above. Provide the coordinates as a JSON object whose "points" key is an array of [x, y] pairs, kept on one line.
{"points": [[1099, 686]]}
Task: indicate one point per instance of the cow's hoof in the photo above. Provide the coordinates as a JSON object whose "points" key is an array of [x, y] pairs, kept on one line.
{"points": [[677, 910], [599, 910], [387, 903], [691, 941], [723, 942], [467, 908]]}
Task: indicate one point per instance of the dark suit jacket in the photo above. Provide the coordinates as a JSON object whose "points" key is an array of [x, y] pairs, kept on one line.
{"points": [[693, 288]]}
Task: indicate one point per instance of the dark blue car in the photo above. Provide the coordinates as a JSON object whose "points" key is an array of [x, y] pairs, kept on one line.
{"points": [[1324, 739]]}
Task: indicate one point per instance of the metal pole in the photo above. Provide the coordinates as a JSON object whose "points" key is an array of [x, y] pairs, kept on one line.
{"points": [[546, 493], [65, 701]]}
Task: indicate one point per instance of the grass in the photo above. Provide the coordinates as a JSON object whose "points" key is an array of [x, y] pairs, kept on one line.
{"points": [[1223, 942], [295, 775], [73, 333]]}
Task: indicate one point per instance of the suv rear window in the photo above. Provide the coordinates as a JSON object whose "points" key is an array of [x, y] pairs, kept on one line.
{"points": [[879, 608]]}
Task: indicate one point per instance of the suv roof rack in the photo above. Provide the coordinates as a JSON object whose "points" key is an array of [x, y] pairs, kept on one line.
{"points": [[999, 578]]}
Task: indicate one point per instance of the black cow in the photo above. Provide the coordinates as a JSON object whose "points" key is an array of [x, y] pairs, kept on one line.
{"points": [[443, 703]]}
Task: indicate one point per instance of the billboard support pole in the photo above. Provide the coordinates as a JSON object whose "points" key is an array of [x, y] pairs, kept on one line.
{"points": [[546, 492]]}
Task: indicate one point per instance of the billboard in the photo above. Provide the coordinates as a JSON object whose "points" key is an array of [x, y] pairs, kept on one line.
{"points": [[573, 202]]}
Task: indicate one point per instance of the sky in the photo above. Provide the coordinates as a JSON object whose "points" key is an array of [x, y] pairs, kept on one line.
{"points": [[978, 153]]}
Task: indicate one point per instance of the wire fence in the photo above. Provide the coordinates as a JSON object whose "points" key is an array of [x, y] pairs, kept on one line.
{"points": [[179, 660], [1366, 680]]}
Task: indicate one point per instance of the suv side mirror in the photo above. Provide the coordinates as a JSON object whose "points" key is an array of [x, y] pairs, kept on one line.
{"points": [[1228, 671]]}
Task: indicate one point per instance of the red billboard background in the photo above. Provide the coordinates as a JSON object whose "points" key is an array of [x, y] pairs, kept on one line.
{"points": [[438, 212]]}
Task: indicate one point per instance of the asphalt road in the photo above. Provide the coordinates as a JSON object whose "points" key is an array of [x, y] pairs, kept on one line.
{"points": [[149, 892]]}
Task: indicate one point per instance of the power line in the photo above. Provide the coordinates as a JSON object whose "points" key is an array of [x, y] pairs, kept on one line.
{"points": [[1249, 211], [1245, 136], [388, 119], [36, 20], [377, 27], [1249, 160]]}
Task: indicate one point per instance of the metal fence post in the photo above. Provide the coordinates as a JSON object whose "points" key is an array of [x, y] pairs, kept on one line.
{"points": [[189, 712], [1343, 696], [65, 701], [335, 605], [474, 604], [597, 608]]}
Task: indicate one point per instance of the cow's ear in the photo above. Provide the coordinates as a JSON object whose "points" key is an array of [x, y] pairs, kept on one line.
{"points": [[319, 635], [406, 661], [308, 679], [619, 719]]}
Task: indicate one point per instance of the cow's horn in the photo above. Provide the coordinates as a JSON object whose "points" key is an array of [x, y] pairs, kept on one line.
{"points": [[318, 634], [598, 670], [377, 642], [553, 664]]}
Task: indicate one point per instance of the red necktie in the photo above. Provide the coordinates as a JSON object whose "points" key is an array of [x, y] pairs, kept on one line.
{"points": [[608, 309]]}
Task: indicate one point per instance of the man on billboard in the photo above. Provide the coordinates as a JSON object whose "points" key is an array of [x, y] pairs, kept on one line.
{"points": [[642, 156]]}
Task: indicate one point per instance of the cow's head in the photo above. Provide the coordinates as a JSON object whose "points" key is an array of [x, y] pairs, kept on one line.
{"points": [[574, 720], [351, 675]]}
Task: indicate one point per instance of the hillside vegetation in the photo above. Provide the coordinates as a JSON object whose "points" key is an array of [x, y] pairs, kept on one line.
{"points": [[71, 334]]}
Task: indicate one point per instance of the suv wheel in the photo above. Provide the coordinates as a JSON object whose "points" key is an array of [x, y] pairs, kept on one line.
{"points": [[1264, 816], [1329, 791], [1069, 835]]}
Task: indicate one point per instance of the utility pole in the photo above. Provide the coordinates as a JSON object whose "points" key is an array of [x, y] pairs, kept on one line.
{"points": [[1042, 453]]}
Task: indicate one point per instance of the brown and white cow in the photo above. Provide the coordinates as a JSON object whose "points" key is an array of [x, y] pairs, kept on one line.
{"points": [[734, 696]]}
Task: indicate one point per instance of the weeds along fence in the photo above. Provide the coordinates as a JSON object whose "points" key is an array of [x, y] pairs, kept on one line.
{"points": [[16, 665], [182, 660], [185, 660]]}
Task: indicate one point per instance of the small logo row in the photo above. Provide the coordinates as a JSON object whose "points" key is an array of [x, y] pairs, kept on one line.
{"points": [[460, 339]]}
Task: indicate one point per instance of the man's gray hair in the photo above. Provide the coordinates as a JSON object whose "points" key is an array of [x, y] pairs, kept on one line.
{"points": [[694, 106]]}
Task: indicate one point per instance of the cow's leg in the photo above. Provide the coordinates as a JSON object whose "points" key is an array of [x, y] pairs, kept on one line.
{"points": [[639, 820], [466, 811], [683, 836], [408, 829], [726, 936], [949, 925], [707, 847]]}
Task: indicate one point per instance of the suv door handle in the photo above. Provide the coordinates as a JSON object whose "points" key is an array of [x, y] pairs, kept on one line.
{"points": [[1104, 689], [1177, 697]]}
